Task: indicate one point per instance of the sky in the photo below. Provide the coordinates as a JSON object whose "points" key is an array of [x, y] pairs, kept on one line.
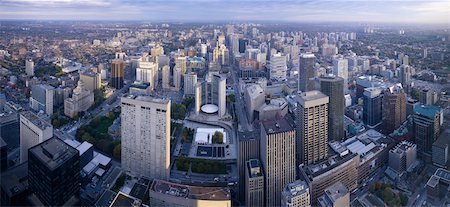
{"points": [[392, 11]]}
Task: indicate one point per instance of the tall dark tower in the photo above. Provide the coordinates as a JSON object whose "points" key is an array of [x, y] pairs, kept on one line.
{"points": [[117, 73], [333, 86], [306, 72]]}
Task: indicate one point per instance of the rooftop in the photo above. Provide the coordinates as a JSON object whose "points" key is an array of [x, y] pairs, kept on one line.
{"points": [[53, 152], [15, 180], [123, 200], [190, 192], [254, 168], [429, 111], [333, 193], [402, 147], [295, 188], [312, 98], [36, 120], [278, 126]]}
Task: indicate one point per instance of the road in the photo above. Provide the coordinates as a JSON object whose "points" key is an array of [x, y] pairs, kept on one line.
{"points": [[240, 112]]}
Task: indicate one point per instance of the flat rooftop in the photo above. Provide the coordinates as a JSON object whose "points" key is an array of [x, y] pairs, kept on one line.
{"points": [[15, 180], [336, 191], [254, 168], [148, 99], [277, 126], [427, 110], [36, 120], [124, 200], [53, 152], [190, 192]]}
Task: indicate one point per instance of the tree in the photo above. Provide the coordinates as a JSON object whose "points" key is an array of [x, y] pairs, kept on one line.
{"points": [[218, 137], [117, 151], [87, 137]]}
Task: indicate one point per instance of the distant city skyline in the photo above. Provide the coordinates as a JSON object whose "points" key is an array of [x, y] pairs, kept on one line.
{"points": [[384, 11]]}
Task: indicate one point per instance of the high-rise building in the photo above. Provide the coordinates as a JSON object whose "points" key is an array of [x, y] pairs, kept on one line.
{"points": [[145, 138], [277, 67], [340, 69], [402, 156], [296, 194], [410, 105], [248, 149], [428, 97], [82, 99], [254, 183], [146, 72], [254, 97], [426, 128], [3, 155], [405, 74], [29, 67], [166, 77], [156, 51], [9, 124], [14, 186], [332, 86], [306, 72], [372, 100], [42, 98], [441, 151], [312, 127], [54, 172], [277, 150], [242, 45], [211, 91], [33, 130], [394, 108], [190, 81], [181, 63], [336, 195], [91, 80], [177, 77], [117, 73]]}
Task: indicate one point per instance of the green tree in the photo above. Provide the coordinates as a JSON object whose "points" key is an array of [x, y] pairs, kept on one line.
{"points": [[117, 151]]}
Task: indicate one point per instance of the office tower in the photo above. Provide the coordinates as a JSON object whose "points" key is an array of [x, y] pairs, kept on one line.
{"points": [[177, 77], [203, 50], [312, 127], [372, 107], [165, 77], [336, 195], [181, 63], [405, 74], [117, 73], [332, 86], [211, 91], [277, 67], [29, 67], [224, 55], [3, 155], [254, 183], [440, 150], [405, 60], [296, 194], [91, 80], [242, 45], [426, 127], [9, 124], [54, 172], [145, 138], [42, 98], [410, 105], [402, 156], [146, 72], [82, 99], [248, 149], [428, 97], [340, 68], [306, 72], [277, 150], [190, 81], [254, 97], [394, 108], [33, 130]]}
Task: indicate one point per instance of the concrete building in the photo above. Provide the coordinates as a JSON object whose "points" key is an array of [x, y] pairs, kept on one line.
{"points": [[254, 183], [249, 148], [440, 150], [190, 81], [277, 67], [405, 74], [332, 86], [117, 73], [14, 186], [82, 99], [165, 77], [254, 97], [92, 80], [340, 69], [306, 72], [181, 63], [410, 105], [9, 124], [312, 127], [140, 89], [145, 138], [426, 128], [272, 109], [402, 156], [54, 172], [33, 130], [296, 194], [147, 72], [163, 193], [322, 175], [42, 98], [394, 108], [211, 91], [336, 195], [428, 97], [277, 150], [29, 67], [177, 77], [372, 114]]}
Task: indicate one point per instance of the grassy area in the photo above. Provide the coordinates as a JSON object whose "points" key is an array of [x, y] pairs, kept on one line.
{"points": [[201, 165]]}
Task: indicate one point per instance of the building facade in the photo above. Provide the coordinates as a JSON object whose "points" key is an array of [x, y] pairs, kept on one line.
{"points": [[277, 67], [82, 99], [254, 183], [42, 98], [394, 108], [33, 130], [372, 100], [92, 80], [117, 73], [211, 91], [306, 72], [296, 194], [426, 128], [402, 156], [333, 87], [190, 81]]}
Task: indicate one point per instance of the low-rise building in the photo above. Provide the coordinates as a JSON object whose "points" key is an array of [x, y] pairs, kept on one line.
{"points": [[336, 195], [296, 194], [402, 156]]}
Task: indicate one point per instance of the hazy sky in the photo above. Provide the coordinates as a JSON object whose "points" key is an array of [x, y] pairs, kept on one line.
{"points": [[414, 11]]}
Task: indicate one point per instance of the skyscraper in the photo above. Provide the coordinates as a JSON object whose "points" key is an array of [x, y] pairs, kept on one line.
{"points": [[394, 108], [117, 73], [254, 183], [372, 106], [146, 136], [277, 150], [33, 130], [277, 67], [426, 128], [296, 194], [29, 67], [181, 63], [146, 72], [332, 86], [165, 77], [312, 127], [211, 91], [42, 98], [54, 172], [190, 81], [306, 72], [340, 68], [405, 74]]}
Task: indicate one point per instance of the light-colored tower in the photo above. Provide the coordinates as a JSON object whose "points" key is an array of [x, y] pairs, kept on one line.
{"points": [[146, 73], [296, 194], [29, 67], [277, 157], [42, 96], [312, 127], [146, 136], [181, 63], [33, 130], [340, 69], [211, 91], [254, 183], [278, 67], [92, 80], [177, 77], [190, 80], [165, 77], [306, 72]]}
